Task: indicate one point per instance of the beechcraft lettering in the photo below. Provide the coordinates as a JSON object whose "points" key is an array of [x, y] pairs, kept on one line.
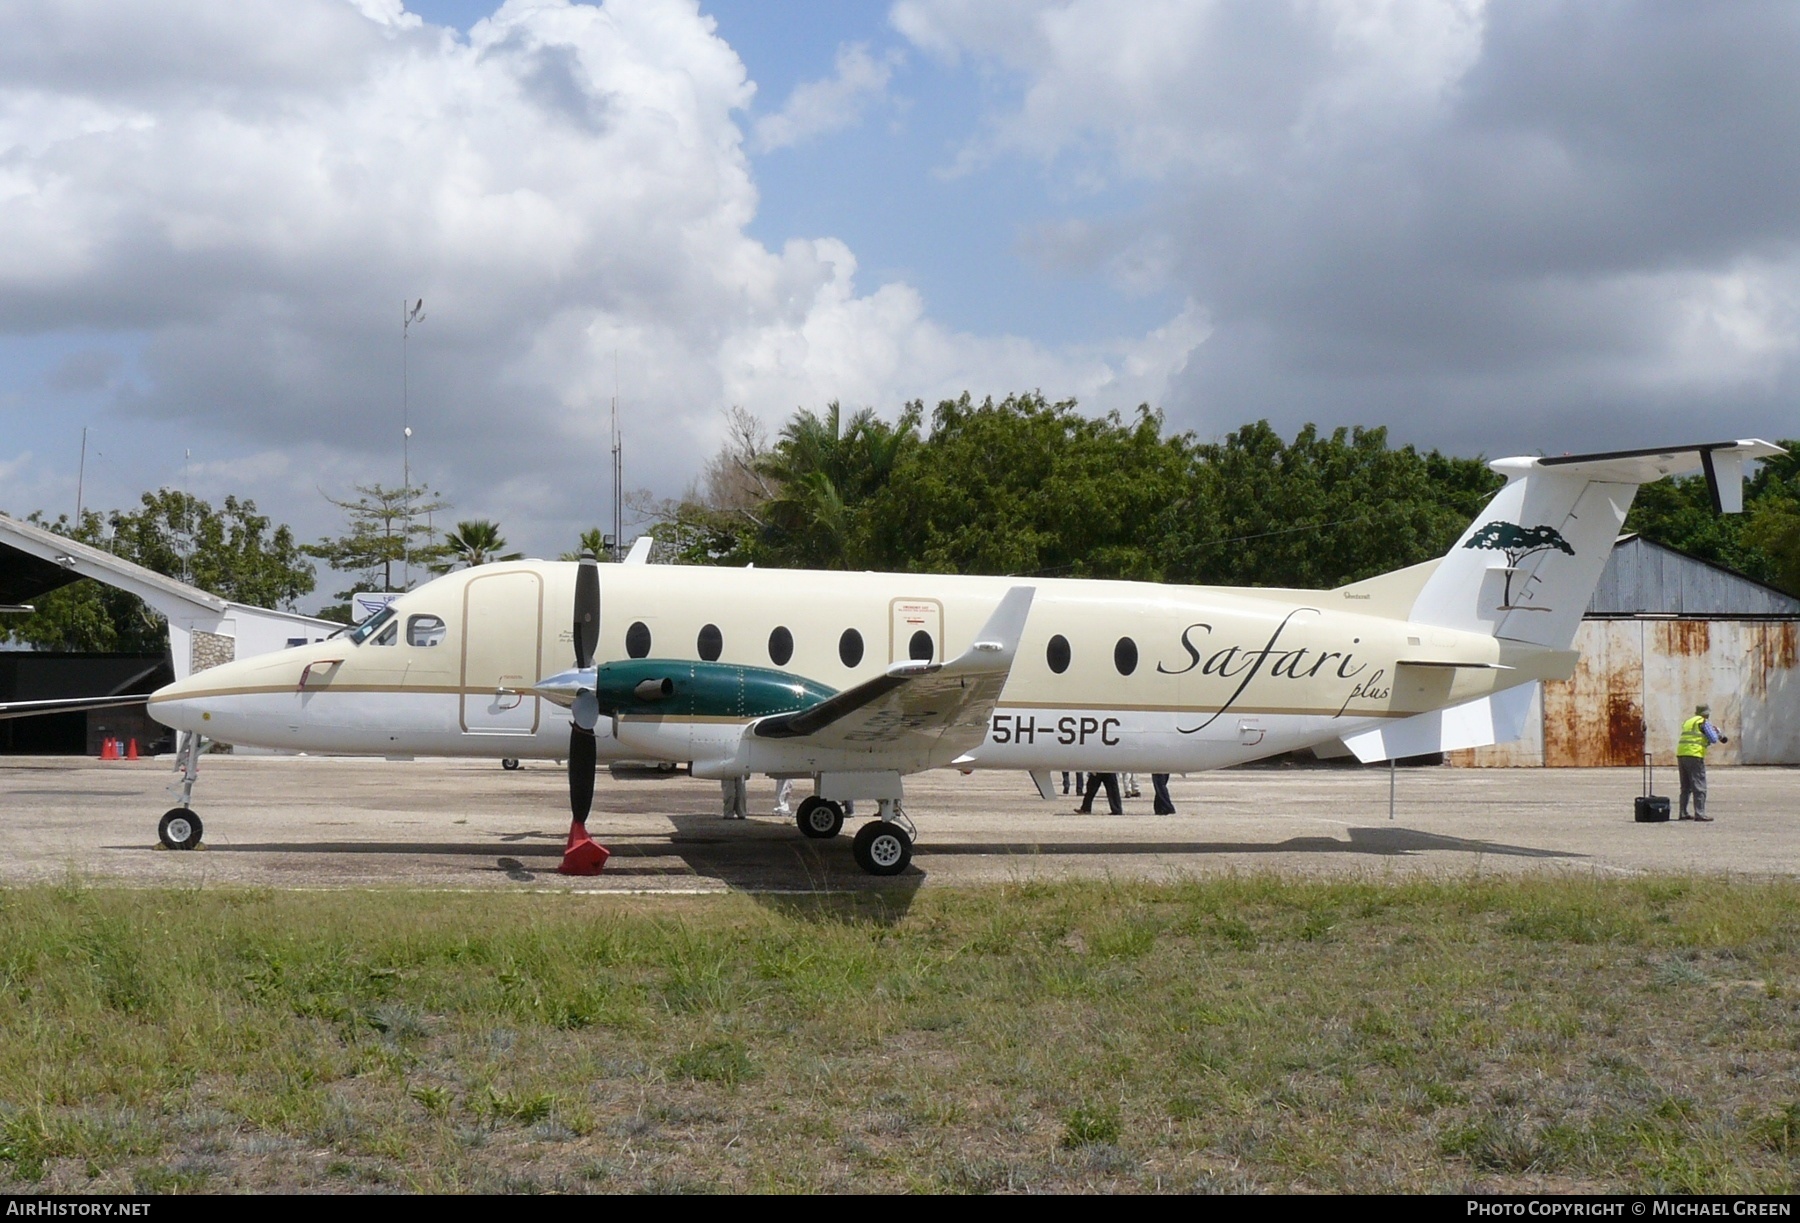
{"points": [[855, 681]]}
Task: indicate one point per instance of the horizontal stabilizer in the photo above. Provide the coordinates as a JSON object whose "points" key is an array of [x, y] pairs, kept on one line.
{"points": [[1527, 566], [1499, 718]]}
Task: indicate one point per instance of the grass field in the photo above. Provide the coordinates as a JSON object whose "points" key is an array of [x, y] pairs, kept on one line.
{"points": [[1234, 1034]]}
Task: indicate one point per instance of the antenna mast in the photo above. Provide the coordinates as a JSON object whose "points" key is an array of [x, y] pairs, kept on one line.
{"points": [[618, 470], [80, 477], [408, 316]]}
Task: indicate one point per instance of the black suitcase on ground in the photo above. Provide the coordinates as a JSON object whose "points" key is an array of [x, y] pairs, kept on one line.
{"points": [[1650, 808]]}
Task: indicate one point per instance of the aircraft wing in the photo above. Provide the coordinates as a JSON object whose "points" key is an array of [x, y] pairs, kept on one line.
{"points": [[917, 709], [32, 709]]}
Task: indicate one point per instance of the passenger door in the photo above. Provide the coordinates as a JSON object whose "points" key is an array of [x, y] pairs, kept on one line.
{"points": [[502, 642]]}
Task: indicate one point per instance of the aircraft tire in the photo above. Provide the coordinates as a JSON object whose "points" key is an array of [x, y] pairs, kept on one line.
{"points": [[819, 818], [882, 848], [510, 763], [179, 828]]}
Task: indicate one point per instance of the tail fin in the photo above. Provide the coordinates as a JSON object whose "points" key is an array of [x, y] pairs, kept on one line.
{"points": [[1527, 566]]}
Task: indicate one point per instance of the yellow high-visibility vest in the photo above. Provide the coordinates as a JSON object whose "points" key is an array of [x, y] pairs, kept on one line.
{"points": [[1693, 739]]}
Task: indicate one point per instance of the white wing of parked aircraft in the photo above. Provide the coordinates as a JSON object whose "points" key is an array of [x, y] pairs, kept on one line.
{"points": [[857, 679]]}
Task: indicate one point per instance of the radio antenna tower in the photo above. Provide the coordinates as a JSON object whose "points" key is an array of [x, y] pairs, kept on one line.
{"points": [[618, 470], [409, 315]]}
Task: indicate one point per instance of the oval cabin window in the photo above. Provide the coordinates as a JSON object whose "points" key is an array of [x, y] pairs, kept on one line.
{"points": [[920, 649], [850, 647], [637, 640], [711, 643], [781, 647], [1057, 654], [1125, 656]]}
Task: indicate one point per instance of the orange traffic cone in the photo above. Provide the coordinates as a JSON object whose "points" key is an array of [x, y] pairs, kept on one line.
{"points": [[583, 855], [132, 753], [109, 748]]}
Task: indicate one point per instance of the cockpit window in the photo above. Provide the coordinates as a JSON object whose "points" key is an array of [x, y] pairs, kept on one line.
{"points": [[372, 625], [388, 635], [424, 630]]}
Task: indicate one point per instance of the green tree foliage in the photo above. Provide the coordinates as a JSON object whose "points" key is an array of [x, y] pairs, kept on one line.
{"points": [[1319, 511], [230, 551], [476, 542], [593, 543], [389, 532], [826, 474], [1763, 542], [1028, 486]]}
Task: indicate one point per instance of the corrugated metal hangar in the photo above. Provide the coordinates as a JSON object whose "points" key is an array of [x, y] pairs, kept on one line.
{"points": [[1664, 632]]}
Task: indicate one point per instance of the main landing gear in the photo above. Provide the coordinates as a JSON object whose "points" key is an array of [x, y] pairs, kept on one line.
{"points": [[179, 827], [884, 846], [820, 818]]}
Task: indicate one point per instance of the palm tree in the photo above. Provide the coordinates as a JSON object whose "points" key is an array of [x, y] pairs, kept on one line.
{"points": [[477, 542], [827, 468], [593, 543]]}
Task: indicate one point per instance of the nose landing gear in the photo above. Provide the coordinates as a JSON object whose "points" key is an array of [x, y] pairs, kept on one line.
{"points": [[179, 827]]}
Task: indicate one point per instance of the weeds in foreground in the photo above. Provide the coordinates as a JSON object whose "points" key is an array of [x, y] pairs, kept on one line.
{"points": [[1240, 1033]]}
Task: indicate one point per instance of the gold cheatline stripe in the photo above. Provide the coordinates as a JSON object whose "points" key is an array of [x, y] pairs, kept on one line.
{"points": [[1295, 710]]}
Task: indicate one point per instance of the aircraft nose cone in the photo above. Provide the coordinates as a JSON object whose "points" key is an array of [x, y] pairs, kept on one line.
{"points": [[175, 707]]}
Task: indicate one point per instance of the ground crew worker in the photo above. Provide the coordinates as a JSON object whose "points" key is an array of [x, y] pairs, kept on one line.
{"points": [[1697, 734]]}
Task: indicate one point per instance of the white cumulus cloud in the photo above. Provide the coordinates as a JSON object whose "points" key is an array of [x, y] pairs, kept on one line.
{"points": [[1549, 223], [239, 194], [815, 108]]}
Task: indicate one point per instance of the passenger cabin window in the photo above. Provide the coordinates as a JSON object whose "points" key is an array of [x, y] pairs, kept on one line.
{"points": [[1056, 654], [711, 643], [781, 647], [424, 631], [920, 649], [850, 647], [1125, 656], [388, 635], [368, 628], [637, 640]]}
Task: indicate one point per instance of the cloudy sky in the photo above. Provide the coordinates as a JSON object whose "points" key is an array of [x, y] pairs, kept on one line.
{"points": [[1503, 227]]}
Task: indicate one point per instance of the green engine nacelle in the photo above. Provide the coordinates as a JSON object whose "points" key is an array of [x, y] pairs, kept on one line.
{"points": [[677, 688]]}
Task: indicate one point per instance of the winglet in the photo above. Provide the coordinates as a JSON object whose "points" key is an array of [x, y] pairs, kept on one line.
{"points": [[998, 639], [640, 551]]}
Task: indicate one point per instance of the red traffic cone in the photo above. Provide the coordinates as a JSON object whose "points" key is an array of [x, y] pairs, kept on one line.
{"points": [[131, 754], [582, 855], [109, 748]]}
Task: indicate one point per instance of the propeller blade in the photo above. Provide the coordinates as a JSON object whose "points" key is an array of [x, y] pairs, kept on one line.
{"points": [[587, 611], [583, 757]]}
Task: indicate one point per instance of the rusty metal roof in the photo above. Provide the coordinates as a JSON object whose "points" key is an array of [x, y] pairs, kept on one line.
{"points": [[1645, 578]]}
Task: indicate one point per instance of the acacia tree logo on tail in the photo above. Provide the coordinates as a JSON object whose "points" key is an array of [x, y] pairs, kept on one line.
{"points": [[1518, 543]]}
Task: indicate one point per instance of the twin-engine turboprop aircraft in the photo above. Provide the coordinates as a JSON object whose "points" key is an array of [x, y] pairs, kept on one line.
{"points": [[856, 680]]}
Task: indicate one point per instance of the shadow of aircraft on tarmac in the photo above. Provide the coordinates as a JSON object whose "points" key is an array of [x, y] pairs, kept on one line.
{"points": [[818, 879]]}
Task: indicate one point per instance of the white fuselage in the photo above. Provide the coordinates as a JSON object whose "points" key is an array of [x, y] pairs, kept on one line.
{"points": [[1108, 676]]}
